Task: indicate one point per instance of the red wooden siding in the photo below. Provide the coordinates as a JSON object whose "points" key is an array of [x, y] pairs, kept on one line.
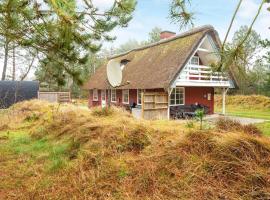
{"points": [[132, 97], [92, 103], [199, 95], [192, 95]]}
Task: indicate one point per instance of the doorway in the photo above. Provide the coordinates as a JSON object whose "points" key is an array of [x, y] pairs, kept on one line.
{"points": [[103, 98]]}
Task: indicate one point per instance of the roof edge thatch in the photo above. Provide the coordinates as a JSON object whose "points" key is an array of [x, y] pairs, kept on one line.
{"points": [[184, 34]]}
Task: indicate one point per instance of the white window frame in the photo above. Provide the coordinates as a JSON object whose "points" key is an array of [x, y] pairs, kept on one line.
{"points": [[95, 94], [198, 59], [123, 97], [138, 96], [112, 95], [184, 96], [105, 94]]}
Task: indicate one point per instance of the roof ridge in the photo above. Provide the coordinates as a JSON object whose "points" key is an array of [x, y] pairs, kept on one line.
{"points": [[184, 34]]}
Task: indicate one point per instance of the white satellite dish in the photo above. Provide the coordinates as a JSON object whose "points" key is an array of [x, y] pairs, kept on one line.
{"points": [[114, 73]]}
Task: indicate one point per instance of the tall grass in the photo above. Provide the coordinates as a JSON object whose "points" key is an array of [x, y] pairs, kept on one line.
{"points": [[71, 153]]}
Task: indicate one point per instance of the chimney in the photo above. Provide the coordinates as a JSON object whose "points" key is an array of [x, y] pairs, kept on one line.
{"points": [[166, 34]]}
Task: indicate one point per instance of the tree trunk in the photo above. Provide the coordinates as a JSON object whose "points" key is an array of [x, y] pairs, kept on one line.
{"points": [[5, 60], [13, 64]]}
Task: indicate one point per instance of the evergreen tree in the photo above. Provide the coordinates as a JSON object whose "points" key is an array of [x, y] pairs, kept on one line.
{"points": [[62, 34], [11, 27], [65, 33]]}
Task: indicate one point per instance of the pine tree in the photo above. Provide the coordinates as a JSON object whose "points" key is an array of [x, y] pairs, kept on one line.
{"points": [[11, 26], [65, 34]]}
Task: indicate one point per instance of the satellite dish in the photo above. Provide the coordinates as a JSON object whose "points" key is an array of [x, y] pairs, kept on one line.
{"points": [[114, 73]]}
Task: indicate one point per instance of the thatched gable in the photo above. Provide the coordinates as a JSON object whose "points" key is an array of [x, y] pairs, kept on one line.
{"points": [[155, 65]]}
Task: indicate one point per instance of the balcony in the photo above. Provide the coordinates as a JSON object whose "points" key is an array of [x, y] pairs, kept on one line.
{"points": [[200, 75]]}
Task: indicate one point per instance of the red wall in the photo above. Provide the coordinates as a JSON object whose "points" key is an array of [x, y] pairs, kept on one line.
{"points": [[192, 95], [199, 95], [132, 98], [92, 103]]}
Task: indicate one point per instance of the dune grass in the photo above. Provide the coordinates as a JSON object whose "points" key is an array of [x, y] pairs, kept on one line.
{"points": [[49, 151]]}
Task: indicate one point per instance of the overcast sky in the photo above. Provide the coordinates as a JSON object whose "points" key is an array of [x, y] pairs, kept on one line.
{"points": [[151, 13]]}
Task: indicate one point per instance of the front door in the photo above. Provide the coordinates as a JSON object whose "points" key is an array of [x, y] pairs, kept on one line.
{"points": [[103, 98]]}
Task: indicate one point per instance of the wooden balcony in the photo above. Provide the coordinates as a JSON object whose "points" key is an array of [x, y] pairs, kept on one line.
{"points": [[199, 75]]}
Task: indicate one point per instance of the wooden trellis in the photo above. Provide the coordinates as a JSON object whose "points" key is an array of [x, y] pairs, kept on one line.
{"points": [[154, 105]]}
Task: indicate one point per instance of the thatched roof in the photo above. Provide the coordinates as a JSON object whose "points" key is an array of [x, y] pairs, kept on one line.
{"points": [[155, 65]]}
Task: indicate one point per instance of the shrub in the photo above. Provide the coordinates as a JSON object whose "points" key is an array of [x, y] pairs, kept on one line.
{"points": [[199, 113]]}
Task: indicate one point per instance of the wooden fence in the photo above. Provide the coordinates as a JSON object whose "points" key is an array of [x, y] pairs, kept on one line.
{"points": [[155, 105], [60, 97]]}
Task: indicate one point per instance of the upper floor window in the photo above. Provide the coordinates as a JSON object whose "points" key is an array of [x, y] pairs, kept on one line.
{"points": [[195, 60], [125, 97], [177, 96], [113, 95], [95, 95]]}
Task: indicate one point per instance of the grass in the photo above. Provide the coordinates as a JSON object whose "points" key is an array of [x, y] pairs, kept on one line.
{"points": [[241, 111], [67, 152], [248, 106], [265, 127], [245, 106], [53, 155]]}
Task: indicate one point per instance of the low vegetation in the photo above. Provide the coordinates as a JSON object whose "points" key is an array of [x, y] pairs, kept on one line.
{"points": [[254, 106], [66, 152]]}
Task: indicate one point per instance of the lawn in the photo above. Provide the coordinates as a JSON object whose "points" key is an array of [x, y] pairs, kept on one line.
{"points": [[251, 113], [265, 127], [245, 112], [248, 106]]}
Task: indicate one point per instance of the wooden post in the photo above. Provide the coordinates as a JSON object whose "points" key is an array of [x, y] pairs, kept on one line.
{"points": [[169, 99], [224, 92], [142, 104]]}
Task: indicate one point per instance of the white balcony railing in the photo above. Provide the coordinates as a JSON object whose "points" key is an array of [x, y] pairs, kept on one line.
{"points": [[199, 74]]}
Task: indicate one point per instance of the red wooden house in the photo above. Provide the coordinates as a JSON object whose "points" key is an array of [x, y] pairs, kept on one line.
{"points": [[176, 70]]}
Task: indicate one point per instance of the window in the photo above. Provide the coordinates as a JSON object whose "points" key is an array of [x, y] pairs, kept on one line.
{"points": [[139, 96], [113, 95], [95, 95], [194, 60], [125, 96], [103, 95], [209, 96], [177, 96]]}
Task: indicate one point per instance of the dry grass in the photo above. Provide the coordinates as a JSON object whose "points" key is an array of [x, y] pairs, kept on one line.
{"points": [[106, 154], [227, 124], [246, 101]]}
